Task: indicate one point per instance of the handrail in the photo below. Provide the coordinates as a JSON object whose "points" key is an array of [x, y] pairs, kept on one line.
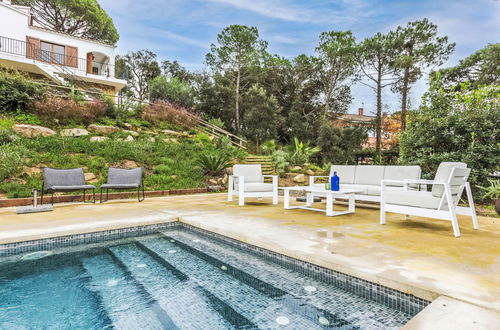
{"points": [[22, 48]]}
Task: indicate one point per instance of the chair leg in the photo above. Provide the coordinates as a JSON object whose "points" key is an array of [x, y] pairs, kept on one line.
{"points": [[472, 207], [241, 198], [451, 206], [84, 195], [454, 223], [100, 195], [93, 194], [382, 214], [52, 199], [275, 197]]}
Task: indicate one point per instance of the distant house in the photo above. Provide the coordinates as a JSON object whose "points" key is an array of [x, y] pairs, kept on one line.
{"points": [[368, 122], [57, 56]]}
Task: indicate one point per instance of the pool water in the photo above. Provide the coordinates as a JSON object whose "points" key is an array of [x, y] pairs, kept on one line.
{"points": [[177, 279]]}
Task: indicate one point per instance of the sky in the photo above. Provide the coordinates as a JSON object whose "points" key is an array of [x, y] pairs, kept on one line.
{"points": [[183, 30]]}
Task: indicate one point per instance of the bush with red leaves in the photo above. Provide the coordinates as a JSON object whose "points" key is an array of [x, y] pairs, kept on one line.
{"points": [[68, 111]]}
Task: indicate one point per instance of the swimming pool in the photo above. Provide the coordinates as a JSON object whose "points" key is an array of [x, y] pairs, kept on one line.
{"points": [[186, 278]]}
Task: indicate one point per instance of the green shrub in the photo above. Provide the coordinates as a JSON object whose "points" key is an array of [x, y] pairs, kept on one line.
{"points": [[162, 169], [455, 126], [27, 118], [6, 136], [300, 153], [6, 123], [17, 92], [11, 160], [280, 159]]}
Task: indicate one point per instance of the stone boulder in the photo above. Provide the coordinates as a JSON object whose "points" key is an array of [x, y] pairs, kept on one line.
{"points": [[133, 133], [129, 139], [301, 178], [296, 168], [30, 171], [32, 130], [174, 133], [98, 138], [74, 132], [130, 164], [90, 177], [310, 172], [105, 130]]}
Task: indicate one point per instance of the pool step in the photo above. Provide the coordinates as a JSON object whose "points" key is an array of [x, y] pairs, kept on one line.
{"points": [[110, 282], [181, 298], [259, 302], [290, 281]]}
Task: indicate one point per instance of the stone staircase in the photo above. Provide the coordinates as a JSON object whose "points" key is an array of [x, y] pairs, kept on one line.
{"points": [[265, 161]]}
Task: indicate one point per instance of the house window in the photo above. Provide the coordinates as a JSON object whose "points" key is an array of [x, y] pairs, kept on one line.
{"points": [[95, 70], [52, 53]]}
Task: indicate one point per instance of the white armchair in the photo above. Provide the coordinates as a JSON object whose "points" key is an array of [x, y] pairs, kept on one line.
{"points": [[248, 181], [439, 203]]}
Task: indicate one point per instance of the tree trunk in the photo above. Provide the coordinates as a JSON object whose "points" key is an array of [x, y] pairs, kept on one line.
{"points": [[404, 98], [237, 108], [378, 121]]}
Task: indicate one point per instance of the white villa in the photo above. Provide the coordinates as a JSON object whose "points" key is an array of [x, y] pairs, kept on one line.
{"points": [[54, 55]]}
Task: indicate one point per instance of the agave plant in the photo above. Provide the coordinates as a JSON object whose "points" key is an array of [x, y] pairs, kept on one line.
{"points": [[213, 164]]}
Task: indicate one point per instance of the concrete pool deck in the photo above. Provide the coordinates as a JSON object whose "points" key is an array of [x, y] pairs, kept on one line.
{"points": [[416, 256]]}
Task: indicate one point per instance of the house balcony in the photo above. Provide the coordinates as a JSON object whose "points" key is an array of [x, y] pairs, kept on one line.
{"points": [[58, 63]]}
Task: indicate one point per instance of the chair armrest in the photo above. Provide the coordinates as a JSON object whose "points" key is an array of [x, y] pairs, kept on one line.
{"points": [[422, 181], [312, 178]]}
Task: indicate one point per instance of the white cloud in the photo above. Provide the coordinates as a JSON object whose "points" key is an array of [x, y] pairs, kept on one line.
{"points": [[179, 37]]}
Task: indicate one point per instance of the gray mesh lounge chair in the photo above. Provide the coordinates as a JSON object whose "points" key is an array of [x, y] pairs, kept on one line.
{"points": [[63, 180], [122, 178]]}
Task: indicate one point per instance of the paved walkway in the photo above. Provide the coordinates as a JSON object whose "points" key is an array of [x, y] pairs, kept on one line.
{"points": [[416, 256]]}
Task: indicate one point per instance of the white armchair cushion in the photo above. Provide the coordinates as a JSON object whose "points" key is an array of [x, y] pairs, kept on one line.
{"points": [[369, 174], [401, 173], [443, 175], [344, 172], [258, 187], [423, 199], [251, 173]]}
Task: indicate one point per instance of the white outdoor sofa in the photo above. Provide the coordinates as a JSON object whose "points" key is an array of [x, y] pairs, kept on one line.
{"points": [[439, 203], [367, 179], [248, 181]]}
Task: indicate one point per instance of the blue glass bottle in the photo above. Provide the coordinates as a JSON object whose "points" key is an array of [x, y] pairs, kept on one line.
{"points": [[335, 182]]}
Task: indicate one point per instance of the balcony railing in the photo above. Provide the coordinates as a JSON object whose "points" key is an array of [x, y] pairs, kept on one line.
{"points": [[82, 65]]}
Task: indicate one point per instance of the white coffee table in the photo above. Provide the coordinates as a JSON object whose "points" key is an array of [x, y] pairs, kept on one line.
{"points": [[330, 198]]}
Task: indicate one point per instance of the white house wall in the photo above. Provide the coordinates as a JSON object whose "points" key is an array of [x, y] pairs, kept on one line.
{"points": [[14, 25]]}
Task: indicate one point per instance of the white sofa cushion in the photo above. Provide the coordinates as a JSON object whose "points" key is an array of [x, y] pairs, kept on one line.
{"points": [[363, 188], [345, 172], [258, 187], [251, 173], [423, 199], [400, 173], [369, 174], [443, 175]]}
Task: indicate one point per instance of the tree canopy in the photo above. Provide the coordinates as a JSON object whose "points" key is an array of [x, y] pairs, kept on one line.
{"points": [[420, 48], [480, 68], [81, 18], [238, 48]]}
